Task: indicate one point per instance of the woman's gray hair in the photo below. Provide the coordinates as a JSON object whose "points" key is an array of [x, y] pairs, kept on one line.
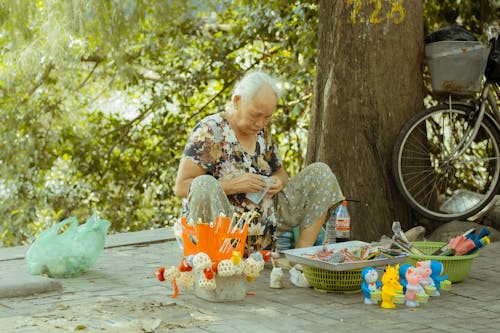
{"points": [[247, 87]]}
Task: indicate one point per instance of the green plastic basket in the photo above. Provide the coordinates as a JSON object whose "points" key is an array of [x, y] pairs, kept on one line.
{"points": [[333, 281], [457, 267]]}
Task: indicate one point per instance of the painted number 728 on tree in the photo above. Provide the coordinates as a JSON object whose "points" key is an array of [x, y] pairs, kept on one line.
{"points": [[396, 12]]}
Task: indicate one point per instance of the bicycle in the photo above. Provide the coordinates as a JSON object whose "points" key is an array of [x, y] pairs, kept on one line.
{"points": [[446, 158]]}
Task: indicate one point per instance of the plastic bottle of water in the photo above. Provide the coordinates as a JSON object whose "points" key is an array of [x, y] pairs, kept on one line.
{"points": [[342, 223], [330, 237]]}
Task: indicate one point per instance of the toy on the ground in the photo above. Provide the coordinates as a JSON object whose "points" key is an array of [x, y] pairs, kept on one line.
{"points": [[213, 252], [370, 285], [171, 274], [201, 268], [467, 243], [391, 288], [412, 287], [276, 278], [424, 269], [440, 281], [415, 294], [402, 275], [252, 268]]}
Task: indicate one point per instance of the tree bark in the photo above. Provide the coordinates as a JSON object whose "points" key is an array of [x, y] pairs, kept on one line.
{"points": [[368, 83]]}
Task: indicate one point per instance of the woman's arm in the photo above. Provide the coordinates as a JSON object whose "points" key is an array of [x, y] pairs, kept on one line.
{"points": [[188, 170]]}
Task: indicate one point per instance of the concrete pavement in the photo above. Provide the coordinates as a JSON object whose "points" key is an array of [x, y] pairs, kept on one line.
{"points": [[120, 294]]}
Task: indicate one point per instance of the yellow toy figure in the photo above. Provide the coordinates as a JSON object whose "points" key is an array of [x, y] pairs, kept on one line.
{"points": [[391, 288]]}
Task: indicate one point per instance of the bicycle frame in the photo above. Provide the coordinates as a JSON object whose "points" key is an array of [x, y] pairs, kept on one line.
{"points": [[486, 96], [492, 101], [446, 158]]}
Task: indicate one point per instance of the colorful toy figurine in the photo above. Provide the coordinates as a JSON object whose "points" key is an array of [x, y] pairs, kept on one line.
{"points": [[424, 269], [412, 287], [391, 288], [169, 274], [480, 240], [414, 294], [371, 285], [467, 243], [440, 280], [402, 275]]}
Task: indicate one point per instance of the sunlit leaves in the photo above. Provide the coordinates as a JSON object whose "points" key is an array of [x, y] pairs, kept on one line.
{"points": [[470, 14], [98, 97]]}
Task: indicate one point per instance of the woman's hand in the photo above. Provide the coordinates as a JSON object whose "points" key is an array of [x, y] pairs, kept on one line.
{"points": [[243, 183], [280, 179], [276, 186]]}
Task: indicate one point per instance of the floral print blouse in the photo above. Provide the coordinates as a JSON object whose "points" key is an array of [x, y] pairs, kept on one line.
{"points": [[213, 145]]}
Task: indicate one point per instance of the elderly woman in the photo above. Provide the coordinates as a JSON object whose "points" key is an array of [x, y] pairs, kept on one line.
{"points": [[231, 156]]}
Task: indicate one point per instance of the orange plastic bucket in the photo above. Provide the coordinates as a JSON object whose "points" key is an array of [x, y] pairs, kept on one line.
{"points": [[218, 240]]}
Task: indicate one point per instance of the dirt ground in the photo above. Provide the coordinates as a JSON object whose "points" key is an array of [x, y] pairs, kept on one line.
{"points": [[113, 315]]}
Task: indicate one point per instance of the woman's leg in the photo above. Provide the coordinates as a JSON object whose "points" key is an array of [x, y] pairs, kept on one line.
{"points": [[308, 235], [306, 202], [206, 200]]}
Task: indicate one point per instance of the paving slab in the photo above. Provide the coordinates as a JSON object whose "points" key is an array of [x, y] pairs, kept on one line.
{"points": [[18, 282], [113, 240], [140, 237], [121, 294], [15, 284]]}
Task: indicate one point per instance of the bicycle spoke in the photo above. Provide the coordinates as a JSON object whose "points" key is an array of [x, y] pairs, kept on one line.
{"points": [[416, 188], [418, 145], [435, 187], [429, 171]]}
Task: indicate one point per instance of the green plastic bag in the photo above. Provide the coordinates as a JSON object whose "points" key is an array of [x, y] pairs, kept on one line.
{"points": [[69, 253]]}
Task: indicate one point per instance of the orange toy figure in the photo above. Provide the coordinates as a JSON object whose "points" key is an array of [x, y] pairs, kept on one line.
{"points": [[390, 286]]}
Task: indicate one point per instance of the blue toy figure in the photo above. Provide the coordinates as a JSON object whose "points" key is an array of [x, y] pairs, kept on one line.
{"points": [[437, 270], [402, 275], [371, 285], [480, 240]]}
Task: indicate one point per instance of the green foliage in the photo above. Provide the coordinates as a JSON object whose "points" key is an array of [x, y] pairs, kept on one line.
{"points": [[98, 98], [472, 15]]}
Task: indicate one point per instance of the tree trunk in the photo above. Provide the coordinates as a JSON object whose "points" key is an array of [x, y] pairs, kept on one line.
{"points": [[368, 83]]}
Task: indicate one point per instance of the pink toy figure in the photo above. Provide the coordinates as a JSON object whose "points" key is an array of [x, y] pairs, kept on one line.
{"points": [[424, 269], [412, 287], [390, 286]]}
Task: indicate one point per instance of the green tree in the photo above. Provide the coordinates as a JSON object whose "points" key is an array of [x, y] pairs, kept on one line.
{"points": [[368, 81], [98, 98]]}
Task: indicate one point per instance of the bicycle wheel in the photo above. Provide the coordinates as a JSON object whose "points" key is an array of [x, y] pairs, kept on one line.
{"points": [[436, 182]]}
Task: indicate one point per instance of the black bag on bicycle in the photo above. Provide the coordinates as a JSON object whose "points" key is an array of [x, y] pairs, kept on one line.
{"points": [[493, 66], [451, 33]]}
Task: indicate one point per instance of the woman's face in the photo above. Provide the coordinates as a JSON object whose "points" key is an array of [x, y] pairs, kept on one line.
{"points": [[255, 114]]}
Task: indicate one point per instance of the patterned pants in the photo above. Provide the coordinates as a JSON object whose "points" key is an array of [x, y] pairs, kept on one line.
{"points": [[306, 197]]}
